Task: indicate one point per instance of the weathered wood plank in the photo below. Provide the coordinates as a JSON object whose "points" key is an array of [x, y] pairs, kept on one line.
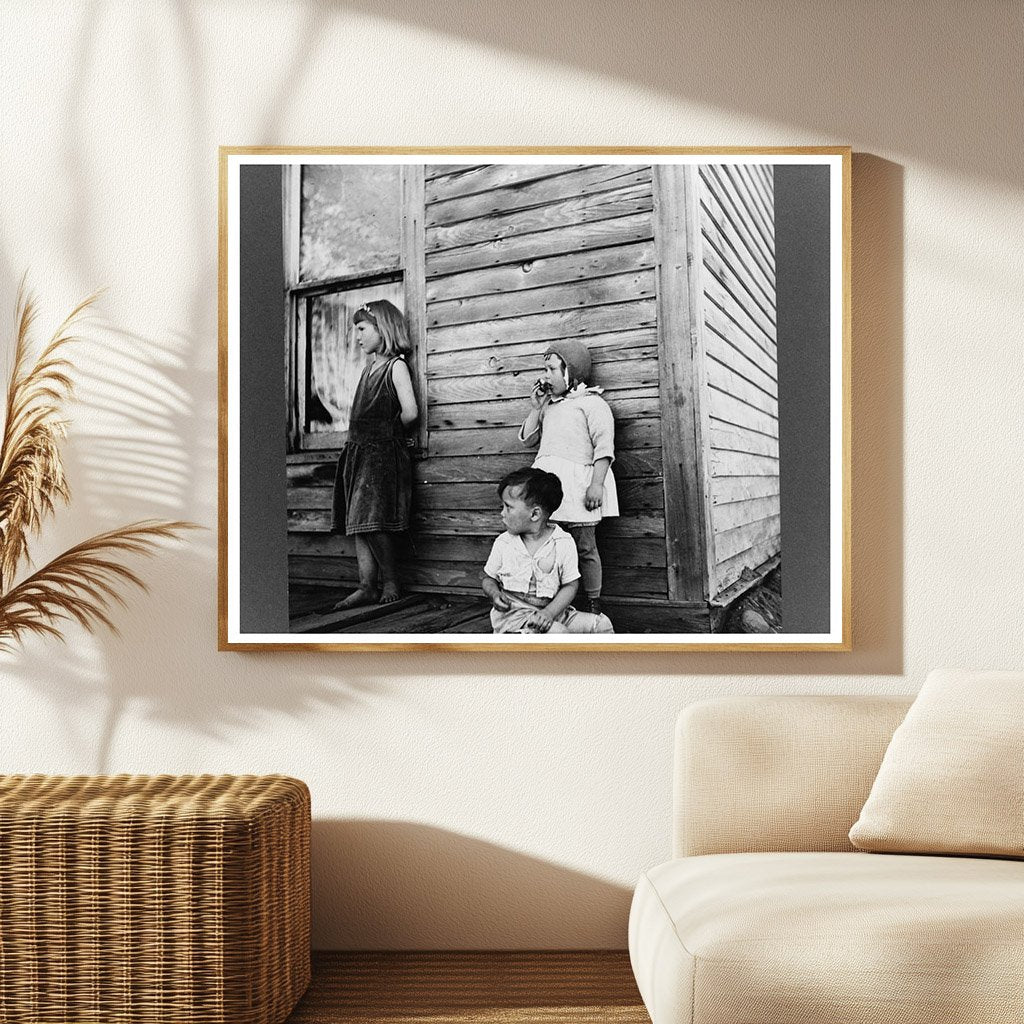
{"points": [[309, 521], [756, 217], [576, 294], [724, 354], [765, 196], [635, 495], [309, 498], [738, 287], [431, 172], [723, 331], [729, 571], [578, 211], [491, 468], [618, 580], [320, 567], [726, 379], [571, 323], [471, 178], [614, 231], [726, 407], [488, 523], [763, 207], [630, 404], [741, 260], [727, 437], [302, 458], [638, 552], [441, 619], [738, 513], [528, 357], [746, 537], [311, 474], [613, 377], [716, 297], [735, 204], [563, 268], [502, 440], [415, 283], [739, 235], [678, 317], [574, 181], [742, 464], [719, 187], [632, 553], [742, 488]]}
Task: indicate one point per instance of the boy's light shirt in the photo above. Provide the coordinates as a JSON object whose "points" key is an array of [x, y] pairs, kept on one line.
{"points": [[554, 564]]}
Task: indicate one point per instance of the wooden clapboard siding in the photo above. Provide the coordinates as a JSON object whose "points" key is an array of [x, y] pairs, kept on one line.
{"points": [[616, 230], [527, 357], [740, 369], [464, 576], [629, 404], [502, 440], [631, 463], [460, 522], [615, 378], [516, 257], [542, 327], [565, 182], [575, 294], [440, 547]]}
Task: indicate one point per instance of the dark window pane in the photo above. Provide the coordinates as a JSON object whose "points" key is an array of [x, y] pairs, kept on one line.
{"points": [[335, 361]]}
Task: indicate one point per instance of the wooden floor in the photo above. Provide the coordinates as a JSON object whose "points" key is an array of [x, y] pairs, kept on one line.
{"points": [[311, 610], [472, 988]]}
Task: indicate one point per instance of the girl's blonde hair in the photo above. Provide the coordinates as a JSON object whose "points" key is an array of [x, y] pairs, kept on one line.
{"points": [[390, 324]]}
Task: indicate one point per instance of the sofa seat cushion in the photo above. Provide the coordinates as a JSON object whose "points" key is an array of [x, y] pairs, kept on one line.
{"points": [[850, 938]]}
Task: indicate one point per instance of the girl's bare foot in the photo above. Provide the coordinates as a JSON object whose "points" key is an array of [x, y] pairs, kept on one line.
{"points": [[364, 595], [390, 592]]}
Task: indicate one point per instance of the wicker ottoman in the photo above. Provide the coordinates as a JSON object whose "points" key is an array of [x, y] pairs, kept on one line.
{"points": [[172, 899]]}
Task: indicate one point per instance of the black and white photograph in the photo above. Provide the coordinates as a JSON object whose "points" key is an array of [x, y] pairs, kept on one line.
{"points": [[572, 399]]}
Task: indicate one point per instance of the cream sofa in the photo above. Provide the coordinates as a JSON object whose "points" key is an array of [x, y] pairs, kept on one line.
{"points": [[768, 915]]}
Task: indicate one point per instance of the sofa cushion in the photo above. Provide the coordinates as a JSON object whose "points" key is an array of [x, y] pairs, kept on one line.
{"points": [[781, 938], [950, 780]]}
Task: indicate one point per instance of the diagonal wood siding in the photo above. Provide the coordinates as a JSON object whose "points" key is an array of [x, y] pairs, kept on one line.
{"points": [[740, 401]]}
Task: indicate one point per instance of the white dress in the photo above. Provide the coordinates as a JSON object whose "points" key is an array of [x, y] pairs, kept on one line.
{"points": [[576, 431]]}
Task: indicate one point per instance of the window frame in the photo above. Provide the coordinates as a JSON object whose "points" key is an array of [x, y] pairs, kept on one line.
{"points": [[408, 268]]}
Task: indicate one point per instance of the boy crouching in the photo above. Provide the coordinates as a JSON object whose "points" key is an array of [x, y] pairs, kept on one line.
{"points": [[532, 574]]}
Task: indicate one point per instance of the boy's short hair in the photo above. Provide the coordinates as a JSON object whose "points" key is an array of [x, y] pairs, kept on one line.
{"points": [[537, 487]]}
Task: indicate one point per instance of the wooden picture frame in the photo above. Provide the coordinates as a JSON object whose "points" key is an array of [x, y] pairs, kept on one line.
{"points": [[711, 288]]}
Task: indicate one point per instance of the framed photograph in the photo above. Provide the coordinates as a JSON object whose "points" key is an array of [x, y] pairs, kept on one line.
{"points": [[561, 398]]}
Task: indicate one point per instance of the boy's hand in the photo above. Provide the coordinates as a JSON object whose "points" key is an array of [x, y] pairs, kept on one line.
{"points": [[540, 621], [500, 601], [594, 497]]}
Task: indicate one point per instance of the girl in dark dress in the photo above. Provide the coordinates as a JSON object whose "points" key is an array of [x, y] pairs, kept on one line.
{"points": [[373, 484]]}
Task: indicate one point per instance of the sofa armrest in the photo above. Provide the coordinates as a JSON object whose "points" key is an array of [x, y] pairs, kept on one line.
{"points": [[780, 773]]}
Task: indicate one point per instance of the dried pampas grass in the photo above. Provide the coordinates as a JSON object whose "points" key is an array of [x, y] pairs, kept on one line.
{"points": [[82, 584]]}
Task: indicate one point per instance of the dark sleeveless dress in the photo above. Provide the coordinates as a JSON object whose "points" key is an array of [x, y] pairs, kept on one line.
{"points": [[373, 483]]}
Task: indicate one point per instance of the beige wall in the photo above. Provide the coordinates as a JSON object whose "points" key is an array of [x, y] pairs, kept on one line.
{"points": [[468, 799]]}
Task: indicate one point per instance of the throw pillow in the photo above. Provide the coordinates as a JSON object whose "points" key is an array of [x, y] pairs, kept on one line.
{"points": [[951, 780]]}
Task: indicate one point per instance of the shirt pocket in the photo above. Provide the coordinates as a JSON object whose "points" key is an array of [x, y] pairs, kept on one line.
{"points": [[546, 573]]}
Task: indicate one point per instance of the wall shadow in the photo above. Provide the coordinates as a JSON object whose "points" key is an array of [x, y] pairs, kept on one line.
{"points": [[887, 79], [404, 885]]}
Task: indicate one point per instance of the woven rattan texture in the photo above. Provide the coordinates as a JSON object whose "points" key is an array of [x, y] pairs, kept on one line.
{"points": [[144, 899]]}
